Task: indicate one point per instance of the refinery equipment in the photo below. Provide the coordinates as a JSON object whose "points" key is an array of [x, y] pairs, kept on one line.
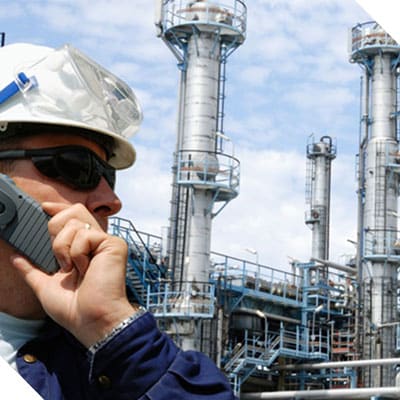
{"points": [[323, 330], [201, 34], [318, 194], [378, 257]]}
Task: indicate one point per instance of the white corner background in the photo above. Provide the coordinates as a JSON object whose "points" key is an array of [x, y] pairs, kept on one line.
{"points": [[386, 13]]}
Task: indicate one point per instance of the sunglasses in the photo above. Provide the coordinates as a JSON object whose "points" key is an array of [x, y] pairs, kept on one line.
{"points": [[77, 166]]}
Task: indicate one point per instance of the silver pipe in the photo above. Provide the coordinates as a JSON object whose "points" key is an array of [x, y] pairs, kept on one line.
{"points": [[220, 328], [364, 130], [263, 314], [340, 267], [338, 364], [365, 107], [364, 393], [177, 203], [282, 318]]}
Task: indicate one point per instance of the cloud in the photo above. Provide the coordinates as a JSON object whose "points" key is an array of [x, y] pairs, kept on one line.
{"points": [[255, 75], [272, 193], [269, 213], [145, 190], [327, 102], [291, 77]]}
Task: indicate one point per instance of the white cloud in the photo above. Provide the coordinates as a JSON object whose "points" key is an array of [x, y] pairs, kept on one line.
{"points": [[145, 190], [272, 194], [255, 75], [269, 213], [290, 78]]}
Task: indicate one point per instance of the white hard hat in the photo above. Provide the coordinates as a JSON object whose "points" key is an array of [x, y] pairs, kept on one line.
{"points": [[64, 87]]}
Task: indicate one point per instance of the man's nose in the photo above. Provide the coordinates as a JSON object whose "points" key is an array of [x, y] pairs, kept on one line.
{"points": [[103, 201]]}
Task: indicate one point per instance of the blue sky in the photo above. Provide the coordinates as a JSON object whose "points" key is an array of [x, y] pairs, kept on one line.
{"points": [[290, 79]]}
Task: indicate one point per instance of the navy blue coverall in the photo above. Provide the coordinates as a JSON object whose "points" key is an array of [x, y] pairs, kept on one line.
{"points": [[139, 363]]}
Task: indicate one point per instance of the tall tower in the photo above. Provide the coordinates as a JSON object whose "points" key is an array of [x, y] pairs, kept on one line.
{"points": [[318, 192], [201, 34], [379, 56]]}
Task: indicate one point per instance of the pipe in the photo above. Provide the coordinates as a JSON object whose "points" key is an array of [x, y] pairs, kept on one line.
{"points": [[220, 329], [338, 364], [340, 267], [263, 314], [282, 318], [363, 140], [364, 393]]}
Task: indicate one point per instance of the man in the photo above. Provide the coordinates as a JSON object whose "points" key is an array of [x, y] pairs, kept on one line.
{"points": [[73, 334]]}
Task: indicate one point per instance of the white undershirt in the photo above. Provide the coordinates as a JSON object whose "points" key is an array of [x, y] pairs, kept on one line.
{"points": [[14, 333]]}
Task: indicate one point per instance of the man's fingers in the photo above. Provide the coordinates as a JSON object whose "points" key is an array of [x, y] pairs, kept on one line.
{"points": [[54, 208], [32, 275]]}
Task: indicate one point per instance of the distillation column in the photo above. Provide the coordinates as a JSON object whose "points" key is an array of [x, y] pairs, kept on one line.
{"points": [[320, 156], [199, 129], [378, 54], [201, 34]]}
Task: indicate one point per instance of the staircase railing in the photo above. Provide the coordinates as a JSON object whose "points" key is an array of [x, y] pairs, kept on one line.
{"points": [[143, 269]]}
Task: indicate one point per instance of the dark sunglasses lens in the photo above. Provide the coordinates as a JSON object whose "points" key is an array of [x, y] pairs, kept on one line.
{"points": [[46, 166], [78, 168], [110, 176], [91, 168]]}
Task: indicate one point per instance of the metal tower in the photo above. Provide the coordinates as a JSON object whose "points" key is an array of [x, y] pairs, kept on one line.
{"points": [[201, 34], [318, 189], [378, 261]]}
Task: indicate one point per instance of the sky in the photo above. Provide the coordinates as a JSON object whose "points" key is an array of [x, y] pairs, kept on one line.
{"points": [[289, 83]]}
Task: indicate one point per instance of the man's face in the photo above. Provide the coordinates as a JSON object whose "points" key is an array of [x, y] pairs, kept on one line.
{"points": [[16, 297], [100, 201]]}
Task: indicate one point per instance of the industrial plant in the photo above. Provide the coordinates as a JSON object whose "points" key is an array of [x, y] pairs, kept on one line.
{"points": [[319, 329]]}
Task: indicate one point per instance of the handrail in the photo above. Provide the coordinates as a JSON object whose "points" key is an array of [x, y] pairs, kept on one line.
{"points": [[369, 33], [231, 16], [120, 226], [196, 299], [211, 168]]}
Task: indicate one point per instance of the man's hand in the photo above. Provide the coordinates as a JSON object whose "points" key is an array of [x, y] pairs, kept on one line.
{"points": [[87, 295]]}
